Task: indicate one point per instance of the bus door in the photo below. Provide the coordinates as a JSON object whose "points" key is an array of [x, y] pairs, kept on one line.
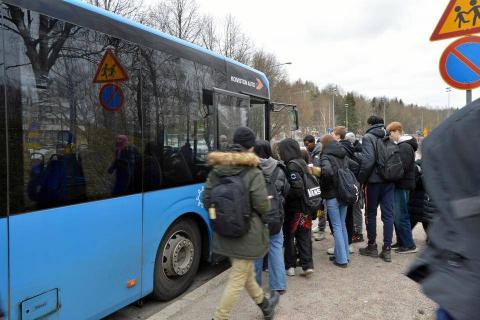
{"points": [[3, 191], [231, 111]]}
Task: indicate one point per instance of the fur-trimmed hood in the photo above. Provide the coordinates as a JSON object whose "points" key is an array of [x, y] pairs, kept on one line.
{"points": [[233, 159]]}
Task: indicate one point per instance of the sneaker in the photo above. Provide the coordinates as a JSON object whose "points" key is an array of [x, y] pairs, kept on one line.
{"points": [[268, 305], [291, 272], [316, 229], [330, 251], [350, 249], [395, 246], [370, 251], [319, 236], [307, 273], [357, 237], [386, 255], [340, 265], [412, 249]]}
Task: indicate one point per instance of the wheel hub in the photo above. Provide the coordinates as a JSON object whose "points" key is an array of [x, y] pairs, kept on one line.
{"points": [[178, 255]]}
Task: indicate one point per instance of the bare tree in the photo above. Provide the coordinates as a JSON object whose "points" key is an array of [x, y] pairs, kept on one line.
{"points": [[127, 8], [180, 18], [268, 64], [234, 43], [208, 36]]}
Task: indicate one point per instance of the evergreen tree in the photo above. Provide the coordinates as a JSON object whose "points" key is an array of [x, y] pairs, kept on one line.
{"points": [[341, 115]]}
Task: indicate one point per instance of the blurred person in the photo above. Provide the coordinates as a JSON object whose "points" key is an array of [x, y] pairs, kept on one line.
{"points": [[333, 158], [298, 223], [449, 268], [407, 147], [377, 192], [420, 205], [273, 171], [239, 160], [315, 150]]}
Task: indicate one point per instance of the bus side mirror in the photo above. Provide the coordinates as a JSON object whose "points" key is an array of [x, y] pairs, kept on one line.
{"points": [[293, 119]]}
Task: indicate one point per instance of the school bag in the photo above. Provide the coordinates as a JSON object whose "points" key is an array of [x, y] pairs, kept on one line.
{"points": [[348, 187], [389, 162], [274, 217], [230, 207], [312, 195]]}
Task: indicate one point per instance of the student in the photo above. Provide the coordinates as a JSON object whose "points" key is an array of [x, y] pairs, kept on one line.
{"points": [[273, 171], [297, 225], [407, 147], [333, 158], [378, 192], [242, 251]]}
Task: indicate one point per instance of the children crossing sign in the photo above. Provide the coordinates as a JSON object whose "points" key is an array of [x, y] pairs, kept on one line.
{"points": [[462, 17], [110, 69]]}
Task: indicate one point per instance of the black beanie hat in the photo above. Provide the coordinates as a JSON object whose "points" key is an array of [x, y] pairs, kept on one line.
{"points": [[245, 137]]}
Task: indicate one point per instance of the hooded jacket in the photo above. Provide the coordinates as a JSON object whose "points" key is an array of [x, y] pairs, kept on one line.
{"points": [[315, 154], [333, 157], [368, 171], [408, 146], [449, 268], [281, 184], [350, 149], [289, 150], [254, 244]]}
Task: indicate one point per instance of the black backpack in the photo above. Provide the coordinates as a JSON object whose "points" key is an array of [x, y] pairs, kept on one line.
{"points": [[312, 195], [274, 217], [389, 162], [230, 202], [348, 187]]}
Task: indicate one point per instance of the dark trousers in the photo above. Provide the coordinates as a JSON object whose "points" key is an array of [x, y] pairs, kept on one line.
{"points": [[382, 194], [442, 314], [301, 242], [413, 223], [349, 223]]}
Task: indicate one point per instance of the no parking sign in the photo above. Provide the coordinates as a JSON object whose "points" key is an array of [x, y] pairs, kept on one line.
{"points": [[460, 63]]}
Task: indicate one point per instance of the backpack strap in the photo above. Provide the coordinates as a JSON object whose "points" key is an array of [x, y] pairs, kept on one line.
{"points": [[273, 178]]}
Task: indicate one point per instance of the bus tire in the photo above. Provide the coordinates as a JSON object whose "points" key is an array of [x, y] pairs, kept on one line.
{"points": [[177, 261]]}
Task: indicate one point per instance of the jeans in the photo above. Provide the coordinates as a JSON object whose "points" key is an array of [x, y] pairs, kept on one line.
{"points": [[382, 194], [242, 275], [442, 314], [277, 278], [403, 228], [338, 214]]}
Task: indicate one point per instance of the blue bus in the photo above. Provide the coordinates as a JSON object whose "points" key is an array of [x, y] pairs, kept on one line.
{"points": [[105, 126]]}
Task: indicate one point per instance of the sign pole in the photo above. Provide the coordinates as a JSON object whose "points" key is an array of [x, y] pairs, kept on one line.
{"points": [[469, 96]]}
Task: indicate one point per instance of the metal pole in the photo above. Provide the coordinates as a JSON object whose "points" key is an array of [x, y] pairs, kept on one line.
{"points": [[333, 108], [384, 112], [469, 96], [346, 116]]}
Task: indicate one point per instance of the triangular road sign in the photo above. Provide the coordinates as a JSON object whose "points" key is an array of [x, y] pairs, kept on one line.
{"points": [[110, 69], [462, 17]]}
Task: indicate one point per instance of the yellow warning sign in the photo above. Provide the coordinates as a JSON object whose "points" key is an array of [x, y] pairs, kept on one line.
{"points": [[110, 69], [462, 17]]}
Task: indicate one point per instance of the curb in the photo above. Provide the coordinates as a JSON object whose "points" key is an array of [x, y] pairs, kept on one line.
{"points": [[190, 298]]}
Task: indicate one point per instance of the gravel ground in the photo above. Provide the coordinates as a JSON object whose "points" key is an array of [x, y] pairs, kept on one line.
{"points": [[368, 289]]}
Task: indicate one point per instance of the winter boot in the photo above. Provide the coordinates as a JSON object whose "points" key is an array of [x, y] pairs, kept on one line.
{"points": [[268, 305], [371, 250]]}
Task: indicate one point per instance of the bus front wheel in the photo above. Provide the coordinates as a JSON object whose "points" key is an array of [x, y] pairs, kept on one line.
{"points": [[178, 258]]}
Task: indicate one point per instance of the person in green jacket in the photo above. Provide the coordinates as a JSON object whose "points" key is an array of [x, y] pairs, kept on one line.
{"points": [[254, 244]]}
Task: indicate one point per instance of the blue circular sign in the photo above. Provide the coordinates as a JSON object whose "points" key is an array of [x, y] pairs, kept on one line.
{"points": [[111, 97]]}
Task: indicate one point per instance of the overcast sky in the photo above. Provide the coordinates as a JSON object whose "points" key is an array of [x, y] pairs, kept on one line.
{"points": [[374, 47]]}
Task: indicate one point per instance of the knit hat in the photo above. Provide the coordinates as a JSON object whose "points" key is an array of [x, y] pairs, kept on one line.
{"points": [[245, 137]]}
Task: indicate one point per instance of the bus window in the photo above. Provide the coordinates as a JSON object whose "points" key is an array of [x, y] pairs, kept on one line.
{"points": [[232, 112], [256, 122]]}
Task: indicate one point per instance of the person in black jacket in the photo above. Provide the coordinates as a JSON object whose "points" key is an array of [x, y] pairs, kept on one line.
{"points": [[333, 158], [298, 222], [407, 146], [377, 191]]}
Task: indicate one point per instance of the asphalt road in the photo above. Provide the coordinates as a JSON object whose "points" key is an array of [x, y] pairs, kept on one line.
{"points": [[151, 307]]}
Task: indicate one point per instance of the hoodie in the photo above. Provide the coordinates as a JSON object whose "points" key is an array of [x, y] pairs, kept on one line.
{"points": [[281, 184], [315, 154], [408, 146], [333, 157], [368, 172], [254, 244], [289, 150]]}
